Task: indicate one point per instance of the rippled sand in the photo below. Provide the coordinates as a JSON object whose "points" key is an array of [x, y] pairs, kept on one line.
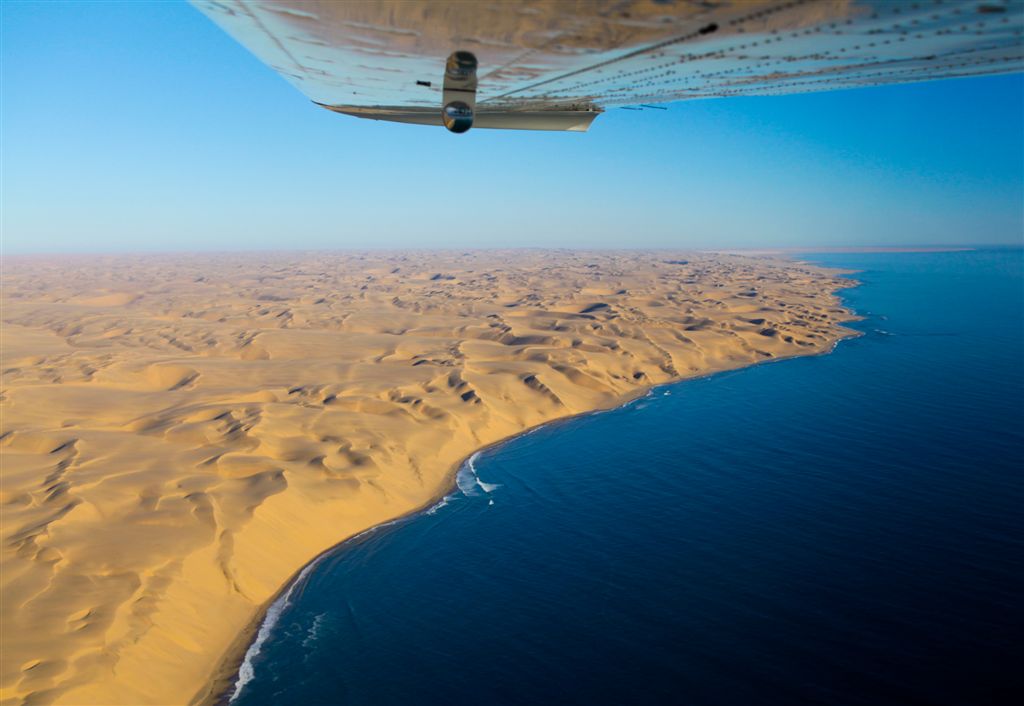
{"points": [[181, 434]]}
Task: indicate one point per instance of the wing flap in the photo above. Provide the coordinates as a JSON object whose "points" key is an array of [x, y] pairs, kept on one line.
{"points": [[555, 120]]}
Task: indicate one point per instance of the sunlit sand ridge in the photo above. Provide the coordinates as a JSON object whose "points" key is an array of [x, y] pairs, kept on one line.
{"points": [[181, 434]]}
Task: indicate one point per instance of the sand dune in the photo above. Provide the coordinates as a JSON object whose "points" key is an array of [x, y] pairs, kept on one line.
{"points": [[181, 434]]}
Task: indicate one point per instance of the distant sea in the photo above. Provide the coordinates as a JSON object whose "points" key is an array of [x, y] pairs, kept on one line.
{"points": [[838, 529]]}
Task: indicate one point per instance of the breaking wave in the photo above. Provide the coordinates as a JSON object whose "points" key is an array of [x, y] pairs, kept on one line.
{"points": [[438, 505], [247, 672], [313, 633], [468, 481]]}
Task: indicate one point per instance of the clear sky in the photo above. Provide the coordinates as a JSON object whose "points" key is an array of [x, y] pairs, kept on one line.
{"points": [[142, 126]]}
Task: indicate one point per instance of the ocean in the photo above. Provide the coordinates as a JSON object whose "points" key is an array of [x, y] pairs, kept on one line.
{"points": [[839, 529]]}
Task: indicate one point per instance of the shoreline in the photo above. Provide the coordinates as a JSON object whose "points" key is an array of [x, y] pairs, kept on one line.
{"points": [[218, 424], [218, 690]]}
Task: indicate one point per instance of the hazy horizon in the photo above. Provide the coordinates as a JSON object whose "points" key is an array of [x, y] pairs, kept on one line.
{"points": [[143, 127], [411, 249]]}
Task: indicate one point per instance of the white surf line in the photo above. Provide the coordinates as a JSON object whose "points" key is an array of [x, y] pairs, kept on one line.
{"points": [[440, 504], [466, 481], [247, 671]]}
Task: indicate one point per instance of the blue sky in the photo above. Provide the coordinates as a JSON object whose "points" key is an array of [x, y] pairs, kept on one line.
{"points": [[142, 126]]}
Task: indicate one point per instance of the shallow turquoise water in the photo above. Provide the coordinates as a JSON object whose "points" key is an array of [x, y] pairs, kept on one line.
{"points": [[842, 529]]}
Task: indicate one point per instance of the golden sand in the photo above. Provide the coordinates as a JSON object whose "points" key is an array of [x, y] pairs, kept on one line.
{"points": [[181, 434]]}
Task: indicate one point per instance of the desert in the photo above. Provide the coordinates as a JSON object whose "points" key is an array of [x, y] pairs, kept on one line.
{"points": [[182, 433]]}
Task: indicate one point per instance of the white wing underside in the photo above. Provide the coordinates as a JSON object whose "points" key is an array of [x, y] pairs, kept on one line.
{"points": [[557, 64]]}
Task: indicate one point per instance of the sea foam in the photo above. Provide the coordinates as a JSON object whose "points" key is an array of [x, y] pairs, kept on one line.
{"points": [[468, 480], [247, 672]]}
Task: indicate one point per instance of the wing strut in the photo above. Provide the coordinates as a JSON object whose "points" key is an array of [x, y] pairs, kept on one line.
{"points": [[459, 91]]}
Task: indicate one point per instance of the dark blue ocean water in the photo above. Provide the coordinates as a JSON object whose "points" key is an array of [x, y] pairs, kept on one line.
{"points": [[842, 529]]}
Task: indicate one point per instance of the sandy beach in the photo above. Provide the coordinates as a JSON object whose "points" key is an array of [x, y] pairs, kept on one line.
{"points": [[181, 434]]}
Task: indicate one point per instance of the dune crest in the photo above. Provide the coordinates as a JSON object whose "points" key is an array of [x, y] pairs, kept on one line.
{"points": [[181, 434]]}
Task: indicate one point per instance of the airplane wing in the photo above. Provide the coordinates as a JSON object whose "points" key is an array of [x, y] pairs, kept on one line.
{"points": [[556, 64]]}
